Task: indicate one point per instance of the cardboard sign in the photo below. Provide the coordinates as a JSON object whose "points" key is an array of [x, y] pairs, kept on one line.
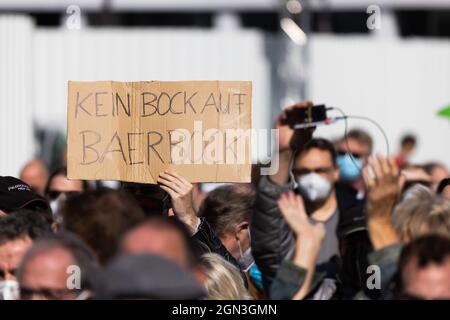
{"points": [[131, 131]]}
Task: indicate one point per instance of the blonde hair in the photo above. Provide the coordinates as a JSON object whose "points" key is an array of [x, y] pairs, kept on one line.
{"points": [[421, 212], [223, 280]]}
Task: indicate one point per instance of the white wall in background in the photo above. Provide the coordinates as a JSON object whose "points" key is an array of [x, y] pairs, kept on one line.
{"points": [[35, 65], [145, 54], [399, 83], [16, 108]]}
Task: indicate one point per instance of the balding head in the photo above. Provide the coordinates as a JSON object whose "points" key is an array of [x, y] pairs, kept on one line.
{"points": [[47, 271], [161, 237], [50, 268], [35, 174]]}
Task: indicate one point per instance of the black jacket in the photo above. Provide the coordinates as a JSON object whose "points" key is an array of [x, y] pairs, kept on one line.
{"points": [[272, 239], [207, 241]]}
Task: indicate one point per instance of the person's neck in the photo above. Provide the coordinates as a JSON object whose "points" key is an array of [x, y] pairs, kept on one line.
{"points": [[323, 210]]}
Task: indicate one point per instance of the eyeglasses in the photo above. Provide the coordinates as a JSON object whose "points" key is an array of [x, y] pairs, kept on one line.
{"points": [[353, 154], [47, 293], [305, 171], [53, 194]]}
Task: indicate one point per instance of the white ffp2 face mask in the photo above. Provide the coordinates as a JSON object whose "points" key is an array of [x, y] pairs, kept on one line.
{"points": [[55, 205], [9, 290], [315, 186]]}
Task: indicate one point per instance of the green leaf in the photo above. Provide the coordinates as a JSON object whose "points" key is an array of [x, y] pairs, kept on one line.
{"points": [[445, 112]]}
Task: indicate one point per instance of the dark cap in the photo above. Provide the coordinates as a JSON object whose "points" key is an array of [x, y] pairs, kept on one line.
{"points": [[16, 194], [145, 277]]}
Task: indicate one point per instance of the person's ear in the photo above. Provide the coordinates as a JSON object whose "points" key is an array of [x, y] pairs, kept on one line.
{"points": [[243, 225], [238, 229], [337, 173]]}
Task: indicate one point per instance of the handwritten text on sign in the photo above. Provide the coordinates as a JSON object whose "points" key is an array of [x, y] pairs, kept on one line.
{"points": [[131, 131]]}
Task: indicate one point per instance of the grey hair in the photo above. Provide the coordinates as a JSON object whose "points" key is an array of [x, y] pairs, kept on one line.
{"points": [[223, 280], [421, 212]]}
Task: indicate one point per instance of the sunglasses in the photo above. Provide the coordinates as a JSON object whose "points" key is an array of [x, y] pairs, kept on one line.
{"points": [[49, 294], [354, 154]]}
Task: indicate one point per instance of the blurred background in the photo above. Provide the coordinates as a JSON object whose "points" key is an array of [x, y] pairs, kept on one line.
{"points": [[386, 60]]}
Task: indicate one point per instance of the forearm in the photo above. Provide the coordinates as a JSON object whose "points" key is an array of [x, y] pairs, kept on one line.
{"points": [[305, 257], [382, 233], [281, 177], [191, 221]]}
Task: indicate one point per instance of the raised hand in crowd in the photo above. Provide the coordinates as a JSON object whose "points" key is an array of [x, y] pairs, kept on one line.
{"points": [[289, 140], [180, 191], [309, 237], [383, 190]]}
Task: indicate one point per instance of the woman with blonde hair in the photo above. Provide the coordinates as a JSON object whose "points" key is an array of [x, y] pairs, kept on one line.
{"points": [[223, 280]]}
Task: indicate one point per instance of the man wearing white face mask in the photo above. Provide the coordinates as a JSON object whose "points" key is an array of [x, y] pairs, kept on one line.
{"points": [[308, 166], [316, 174]]}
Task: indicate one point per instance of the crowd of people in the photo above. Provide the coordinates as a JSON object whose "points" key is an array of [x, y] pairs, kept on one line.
{"points": [[334, 222]]}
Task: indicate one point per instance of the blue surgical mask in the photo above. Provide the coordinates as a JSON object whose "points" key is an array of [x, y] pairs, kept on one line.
{"points": [[256, 276], [350, 169]]}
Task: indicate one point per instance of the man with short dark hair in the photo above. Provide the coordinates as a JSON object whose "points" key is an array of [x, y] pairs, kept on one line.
{"points": [[424, 269]]}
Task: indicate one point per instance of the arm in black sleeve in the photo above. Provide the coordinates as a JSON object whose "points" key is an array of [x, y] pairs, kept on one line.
{"points": [[272, 239]]}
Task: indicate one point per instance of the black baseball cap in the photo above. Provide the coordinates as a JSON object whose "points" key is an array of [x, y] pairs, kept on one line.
{"points": [[16, 194]]}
